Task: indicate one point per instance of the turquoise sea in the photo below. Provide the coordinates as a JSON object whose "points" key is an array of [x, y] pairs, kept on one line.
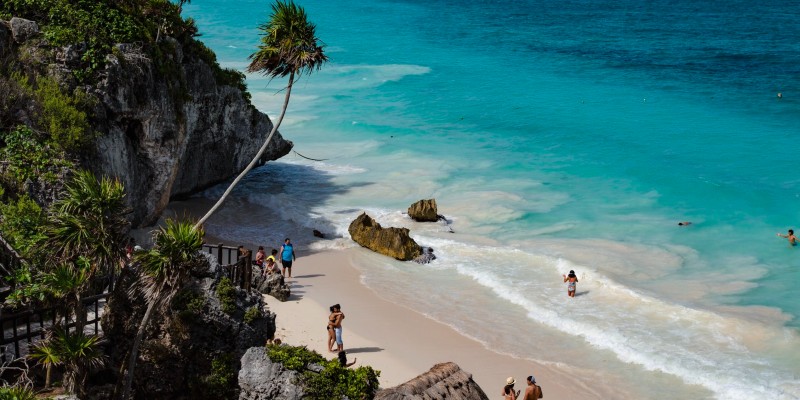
{"points": [[555, 135]]}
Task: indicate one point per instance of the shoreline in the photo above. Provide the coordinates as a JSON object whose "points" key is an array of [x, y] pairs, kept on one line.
{"points": [[396, 340]]}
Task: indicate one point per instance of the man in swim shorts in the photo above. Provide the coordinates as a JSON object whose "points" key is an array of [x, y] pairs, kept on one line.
{"points": [[287, 257]]}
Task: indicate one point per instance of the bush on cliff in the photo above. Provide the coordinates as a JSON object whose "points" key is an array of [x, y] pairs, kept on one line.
{"points": [[333, 381]]}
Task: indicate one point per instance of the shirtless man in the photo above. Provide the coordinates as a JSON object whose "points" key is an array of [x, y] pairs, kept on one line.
{"points": [[533, 391], [792, 238]]}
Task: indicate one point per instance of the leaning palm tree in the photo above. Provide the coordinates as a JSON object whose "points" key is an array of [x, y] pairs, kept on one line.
{"points": [[46, 354], [163, 271], [289, 47]]}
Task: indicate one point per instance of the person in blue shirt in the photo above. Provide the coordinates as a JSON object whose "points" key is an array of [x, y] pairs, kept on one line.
{"points": [[287, 257]]}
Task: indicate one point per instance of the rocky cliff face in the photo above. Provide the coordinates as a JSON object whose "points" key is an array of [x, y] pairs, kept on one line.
{"points": [[167, 128], [163, 146], [193, 346]]}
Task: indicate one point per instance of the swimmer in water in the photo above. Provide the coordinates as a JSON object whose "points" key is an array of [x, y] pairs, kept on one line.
{"points": [[792, 238], [684, 223]]}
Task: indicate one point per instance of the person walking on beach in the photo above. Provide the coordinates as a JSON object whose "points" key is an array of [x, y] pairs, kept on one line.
{"points": [[508, 389], [337, 326], [792, 238], [533, 391], [572, 281], [287, 257]]}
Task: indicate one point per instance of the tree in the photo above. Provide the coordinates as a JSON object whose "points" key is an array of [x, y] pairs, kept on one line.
{"points": [[46, 354], [163, 271], [289, 46], [88, 223], [77, 352]]}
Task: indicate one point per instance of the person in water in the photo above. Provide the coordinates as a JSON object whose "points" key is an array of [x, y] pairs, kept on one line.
{"points": [[572, 281], [684, 223], [792, 238]]}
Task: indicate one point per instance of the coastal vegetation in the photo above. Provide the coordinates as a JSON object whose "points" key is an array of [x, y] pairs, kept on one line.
{"points": [[333, 381], [289, 47]]}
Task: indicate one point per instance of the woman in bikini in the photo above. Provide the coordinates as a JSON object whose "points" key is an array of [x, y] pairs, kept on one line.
{"points": [[571, 280], [331, 336]]}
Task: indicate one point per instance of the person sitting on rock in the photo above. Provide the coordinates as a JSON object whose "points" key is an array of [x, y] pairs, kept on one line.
{"points": [[270, 268]]}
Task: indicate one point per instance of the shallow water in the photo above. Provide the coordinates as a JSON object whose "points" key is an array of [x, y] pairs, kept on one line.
{"points": [[555, 136]]}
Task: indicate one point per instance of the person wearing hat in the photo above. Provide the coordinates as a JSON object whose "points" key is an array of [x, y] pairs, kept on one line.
{"points": [[533, 391], [508, 389]]}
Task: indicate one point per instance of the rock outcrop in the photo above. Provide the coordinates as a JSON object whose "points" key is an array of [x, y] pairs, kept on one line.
{"points": [[393, 242], [424, 211], [262, 379], [192, 348], [167, 127], [273, 285], [443, 381], [162, 143], [426, 256]]}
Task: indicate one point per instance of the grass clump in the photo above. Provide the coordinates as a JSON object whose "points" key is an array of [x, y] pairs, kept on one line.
{"points": [[226, 294], [334, 381], [252, 314], [16, 393]]}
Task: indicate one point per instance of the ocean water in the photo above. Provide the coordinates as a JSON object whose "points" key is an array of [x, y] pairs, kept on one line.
{"points": [[555, 136]]}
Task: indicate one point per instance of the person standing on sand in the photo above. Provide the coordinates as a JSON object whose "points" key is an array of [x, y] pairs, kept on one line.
{"points": [[287, 257], [572, 281], [792, 238], [331, 334], [338, 316], [533, 391], [508, 389]]}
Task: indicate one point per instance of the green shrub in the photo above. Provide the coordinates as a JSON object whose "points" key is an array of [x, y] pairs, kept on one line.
{"points": [[62, 116], [252, 314], [226, 295], [220, 383], [27, 158], [334, 381], [22, 224], [16, 393]]}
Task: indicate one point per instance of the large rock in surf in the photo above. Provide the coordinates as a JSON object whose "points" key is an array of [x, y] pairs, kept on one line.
{"points": [[273, 285], [393, 242], [443, 381], [424, 211]]}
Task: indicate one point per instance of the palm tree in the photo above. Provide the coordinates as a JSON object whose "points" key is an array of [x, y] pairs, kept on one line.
{"points": [[289, 46], [88, 223], [79, 353], [164, 270], [46, 354]]}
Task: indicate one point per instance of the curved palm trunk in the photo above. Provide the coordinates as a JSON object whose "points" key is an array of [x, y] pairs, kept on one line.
{"points": [[255, 159], [135, 350]]}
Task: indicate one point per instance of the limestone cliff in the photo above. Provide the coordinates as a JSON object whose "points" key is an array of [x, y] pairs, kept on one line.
{"points": [[161, 146], [167, 125]]}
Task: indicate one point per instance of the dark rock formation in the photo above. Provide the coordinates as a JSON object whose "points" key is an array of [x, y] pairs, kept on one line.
{"points": [[187, 337], [262, 379], [23, 29], [318, 234], [162, 143], [426, 256], [443, 381], [424, 211], [273, 285], [393, 242], [168, 127]]}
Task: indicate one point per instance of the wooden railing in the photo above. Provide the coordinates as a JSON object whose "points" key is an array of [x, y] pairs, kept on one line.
{"points": [[238, 267], [24, 328]]}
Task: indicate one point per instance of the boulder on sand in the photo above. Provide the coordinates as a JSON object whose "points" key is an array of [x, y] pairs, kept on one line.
{"points": [[273, 285], [424, 211], [392, 242]]}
